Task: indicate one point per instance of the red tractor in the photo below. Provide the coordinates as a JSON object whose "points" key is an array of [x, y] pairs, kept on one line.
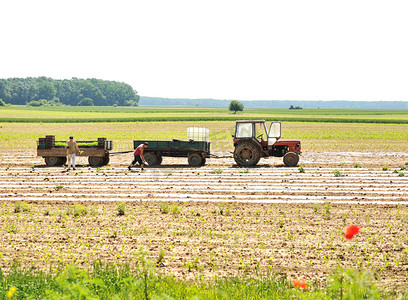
{"points": [[252, 141]]}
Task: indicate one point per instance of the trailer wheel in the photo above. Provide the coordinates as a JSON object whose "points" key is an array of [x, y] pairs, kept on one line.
{"points": [[159, 160], [203, 162], [291, 159], [95, 161], [52, 161], [195, 160], [62, 160], [151, 159], [246, 154], [106, 160]]}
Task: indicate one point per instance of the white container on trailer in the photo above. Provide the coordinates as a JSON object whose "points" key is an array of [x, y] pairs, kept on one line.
{"points": [[199, 134]]}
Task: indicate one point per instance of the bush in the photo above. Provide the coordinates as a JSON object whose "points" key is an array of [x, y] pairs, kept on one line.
{"points": [[131, 103], [44, 102], [86, 102], [2, 102]]}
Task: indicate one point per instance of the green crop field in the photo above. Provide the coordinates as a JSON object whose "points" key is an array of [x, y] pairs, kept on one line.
{"points": [[148, 114], [314, 136]]}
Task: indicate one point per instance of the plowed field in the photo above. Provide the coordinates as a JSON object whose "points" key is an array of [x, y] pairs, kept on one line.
{"points": [[218, 220]]}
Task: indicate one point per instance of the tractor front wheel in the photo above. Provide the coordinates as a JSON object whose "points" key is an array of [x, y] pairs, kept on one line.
{"points": [[291, 159], [246, 154]]}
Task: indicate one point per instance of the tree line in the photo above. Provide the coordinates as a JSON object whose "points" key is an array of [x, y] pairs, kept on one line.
{"points": [[43, 90], [339, 104]]}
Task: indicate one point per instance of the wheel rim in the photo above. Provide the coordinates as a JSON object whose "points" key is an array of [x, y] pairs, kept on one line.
{"points": [[194, 160], [150, 159], [51, 160], [95, 160], [246, 154], [291, 159]]}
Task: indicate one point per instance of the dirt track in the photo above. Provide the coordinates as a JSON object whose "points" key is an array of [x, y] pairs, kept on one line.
{"points": [[270, 217]]}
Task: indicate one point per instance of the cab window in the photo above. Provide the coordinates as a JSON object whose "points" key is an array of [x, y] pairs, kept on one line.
{"points": [[244, 130]]}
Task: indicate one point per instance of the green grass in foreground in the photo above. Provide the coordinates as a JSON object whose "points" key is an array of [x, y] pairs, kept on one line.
{"points": [[68, 114], [123, 282]]}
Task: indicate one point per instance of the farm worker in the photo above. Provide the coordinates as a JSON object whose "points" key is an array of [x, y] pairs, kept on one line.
{"points": [[138, 155], [71, 147]]}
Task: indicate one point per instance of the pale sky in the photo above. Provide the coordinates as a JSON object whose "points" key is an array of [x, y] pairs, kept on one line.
{"points": [[244, 50]]}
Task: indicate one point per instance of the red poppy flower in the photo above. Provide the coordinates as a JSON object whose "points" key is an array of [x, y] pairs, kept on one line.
{"points": [[351, 231], [300, 284]]}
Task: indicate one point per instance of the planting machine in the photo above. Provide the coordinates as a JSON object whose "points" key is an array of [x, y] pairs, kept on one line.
{"points": [[252, 140], [54, 152]]}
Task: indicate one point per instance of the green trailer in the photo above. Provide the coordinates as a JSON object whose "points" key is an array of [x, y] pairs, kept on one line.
{"points": [[195, 151]]}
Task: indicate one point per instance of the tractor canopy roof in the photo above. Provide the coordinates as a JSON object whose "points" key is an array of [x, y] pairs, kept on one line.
{"points": [[250, 121]]}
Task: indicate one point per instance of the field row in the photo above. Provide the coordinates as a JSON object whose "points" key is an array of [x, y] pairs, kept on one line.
{"points": [[160, 114]]}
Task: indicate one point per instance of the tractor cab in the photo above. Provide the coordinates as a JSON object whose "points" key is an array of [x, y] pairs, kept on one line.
{"points": [[257, 131]]}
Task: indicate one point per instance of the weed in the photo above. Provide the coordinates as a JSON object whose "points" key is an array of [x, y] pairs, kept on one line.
{"points": [[337, 173], [301, 169], [159, 261], [356, 165], [175, 209], [327, 208], [21, 207], [120, 207], [218, 171], [164, 207], [384, 168], [243, 170], [58, 187], [400, 174], [76, 210]]}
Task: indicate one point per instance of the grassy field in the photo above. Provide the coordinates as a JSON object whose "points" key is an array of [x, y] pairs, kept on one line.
{"points": [[315, 137], [123, 282], [149, 114]]}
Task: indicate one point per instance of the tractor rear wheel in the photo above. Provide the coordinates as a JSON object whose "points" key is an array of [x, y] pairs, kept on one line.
{"points": [[151, 158], [195, 160], [246, 154], [203, 162], [291, 159], [52, 161]]}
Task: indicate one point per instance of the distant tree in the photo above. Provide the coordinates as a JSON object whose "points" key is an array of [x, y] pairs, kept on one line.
{"points": [[86, 102], [2, 102], [46, 90], [20, 91], [236, 106], [295, 107]]}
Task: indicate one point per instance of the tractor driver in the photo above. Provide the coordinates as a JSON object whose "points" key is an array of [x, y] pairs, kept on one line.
{"points": [[138, 156]]}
